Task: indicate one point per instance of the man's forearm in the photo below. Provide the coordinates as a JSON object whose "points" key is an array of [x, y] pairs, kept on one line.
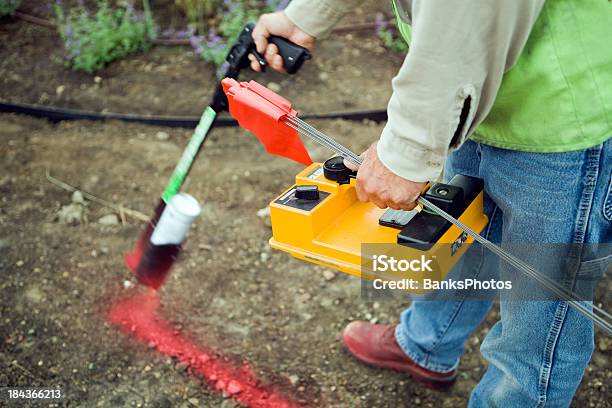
{"points": [[318, 17]]}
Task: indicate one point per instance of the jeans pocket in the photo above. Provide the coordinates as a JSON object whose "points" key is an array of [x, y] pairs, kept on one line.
{"points": [[595, 268], [607, 207], [590, 273]]}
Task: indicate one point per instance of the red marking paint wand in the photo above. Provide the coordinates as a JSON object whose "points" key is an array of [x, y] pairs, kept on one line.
{"points": [[166, 240]]}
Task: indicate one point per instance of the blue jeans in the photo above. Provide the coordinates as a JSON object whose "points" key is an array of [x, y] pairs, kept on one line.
{"points": [[538, 350]]}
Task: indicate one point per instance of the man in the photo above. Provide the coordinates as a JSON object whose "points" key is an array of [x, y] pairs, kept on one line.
{"points": [[518, 93]]}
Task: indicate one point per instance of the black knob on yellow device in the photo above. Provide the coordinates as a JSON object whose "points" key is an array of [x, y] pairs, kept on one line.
{"points": [[335, 170], [310, 193]]}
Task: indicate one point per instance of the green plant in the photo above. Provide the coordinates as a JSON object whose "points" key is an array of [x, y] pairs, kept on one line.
{"points": [[198, 10], [93, 41], [392, 41], [389, 37], [8, 7]]}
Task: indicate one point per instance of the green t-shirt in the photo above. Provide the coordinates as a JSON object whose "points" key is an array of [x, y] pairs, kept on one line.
{"points": [[558, 96]]}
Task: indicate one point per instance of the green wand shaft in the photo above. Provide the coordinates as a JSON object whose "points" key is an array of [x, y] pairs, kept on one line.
{"points": [[189, 154], [132, 259]]}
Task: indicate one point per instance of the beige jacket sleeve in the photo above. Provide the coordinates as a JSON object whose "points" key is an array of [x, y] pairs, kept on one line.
{"points": [[459, 52], [318, 17]]}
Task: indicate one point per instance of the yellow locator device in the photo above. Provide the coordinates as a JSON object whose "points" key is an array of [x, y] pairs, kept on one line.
{"points": [[320, 220]]}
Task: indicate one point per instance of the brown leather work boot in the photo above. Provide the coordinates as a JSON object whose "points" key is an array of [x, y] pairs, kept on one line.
{"points": [[375, 345]]}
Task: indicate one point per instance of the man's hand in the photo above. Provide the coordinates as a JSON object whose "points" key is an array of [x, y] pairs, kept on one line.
{"points": [[277, 24], [378, 184]]}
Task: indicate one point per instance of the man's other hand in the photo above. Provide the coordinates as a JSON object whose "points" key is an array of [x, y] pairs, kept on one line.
{"points": [[280, 25], [376, 183]]}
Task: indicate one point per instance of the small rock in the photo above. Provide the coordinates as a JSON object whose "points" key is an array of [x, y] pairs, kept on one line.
{"points": [[234, 387], [604, 343], [77, 198], [328, 274], [60, 90], [194, 401], [323, 76], [274, 87], [128, 284], [71, 214], [110, 219], [264, 212], [162, 136], [19, 263], [34, 294], [97, 79], [599, 360], [264, 257], [293, 379]]}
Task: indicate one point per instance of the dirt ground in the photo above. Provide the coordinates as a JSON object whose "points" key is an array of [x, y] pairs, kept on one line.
{"points": [[230, 291], [172, 81]]}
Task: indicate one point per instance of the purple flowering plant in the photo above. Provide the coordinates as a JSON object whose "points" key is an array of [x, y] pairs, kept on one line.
{"points": [[213, 45], [92, 40]]}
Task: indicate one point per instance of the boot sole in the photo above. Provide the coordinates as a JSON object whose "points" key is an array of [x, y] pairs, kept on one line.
{"points": [[429, 382]]}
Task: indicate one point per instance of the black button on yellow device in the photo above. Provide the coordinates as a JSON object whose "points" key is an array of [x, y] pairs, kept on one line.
{"points": [[309, 193]]}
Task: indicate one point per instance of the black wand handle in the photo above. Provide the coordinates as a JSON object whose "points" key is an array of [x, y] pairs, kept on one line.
{"points": [[238, 59], [293, 55]]}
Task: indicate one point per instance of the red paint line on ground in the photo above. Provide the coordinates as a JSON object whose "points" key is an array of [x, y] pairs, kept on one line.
{"points": [[137, 316]]}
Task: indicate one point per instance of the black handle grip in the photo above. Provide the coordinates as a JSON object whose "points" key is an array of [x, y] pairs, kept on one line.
{"points": [[293, 55], [237, 59]]}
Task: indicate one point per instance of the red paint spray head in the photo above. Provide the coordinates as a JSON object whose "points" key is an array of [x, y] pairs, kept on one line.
{"points": [[166, 240], [260, 110], [132, 258]]}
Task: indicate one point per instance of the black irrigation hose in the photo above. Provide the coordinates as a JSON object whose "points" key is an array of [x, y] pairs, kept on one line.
{"points": [[55, 115]]}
